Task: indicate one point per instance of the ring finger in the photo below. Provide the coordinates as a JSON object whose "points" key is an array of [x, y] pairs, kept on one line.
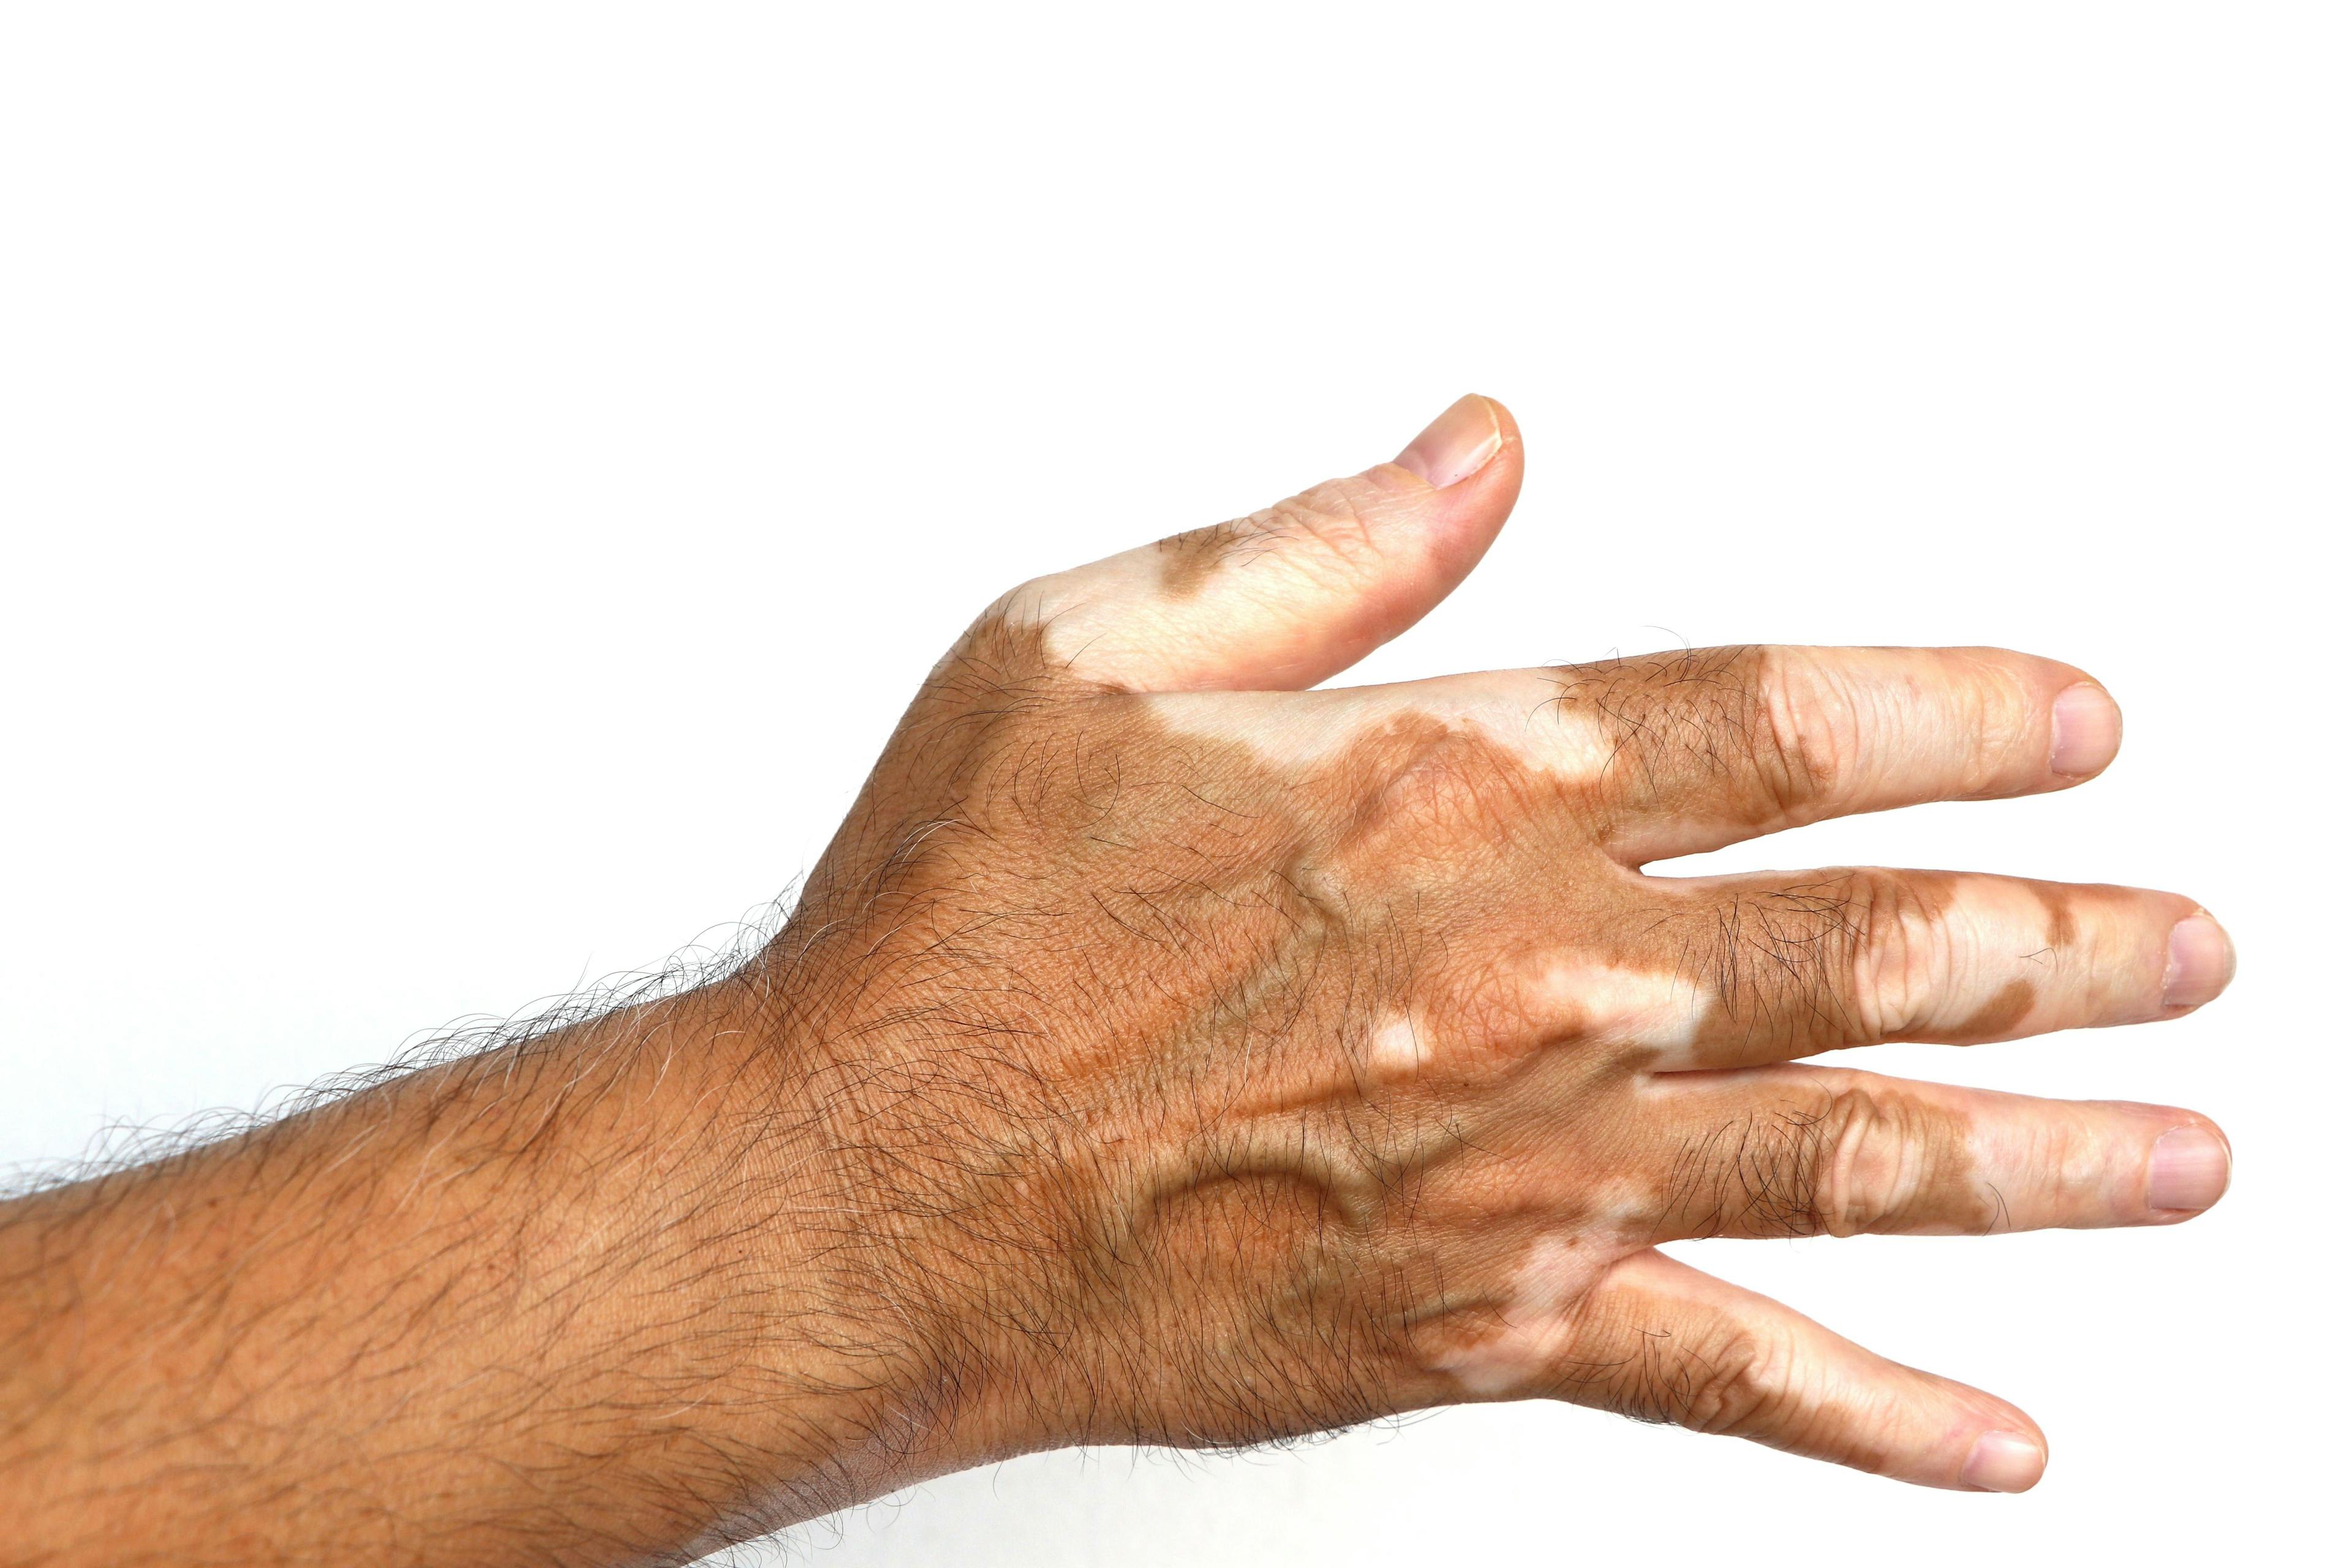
{"points": [[1808, 1151], [1765, 969]]}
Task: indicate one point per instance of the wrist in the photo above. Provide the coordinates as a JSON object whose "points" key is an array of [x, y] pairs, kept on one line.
{"points": [[924, 1222], [820, 1191]]}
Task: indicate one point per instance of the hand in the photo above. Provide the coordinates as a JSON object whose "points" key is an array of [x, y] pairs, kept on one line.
{"points": [[1161, 1053], [1208, 1059]]}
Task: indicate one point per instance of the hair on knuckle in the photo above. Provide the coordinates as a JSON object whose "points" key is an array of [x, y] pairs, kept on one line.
{"points": [[1758, 1173], [1724, 1381]]}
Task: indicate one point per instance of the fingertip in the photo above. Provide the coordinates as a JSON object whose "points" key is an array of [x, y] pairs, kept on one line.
{"points": [[1458, 443], [2086, 730], [1508, 427], [2199, 962], [2004, 1461], [1464, 472], [2188, 1169], [1297, 592]]}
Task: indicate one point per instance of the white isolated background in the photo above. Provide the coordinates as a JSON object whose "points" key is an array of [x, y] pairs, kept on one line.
{"points": [[479, 480]]}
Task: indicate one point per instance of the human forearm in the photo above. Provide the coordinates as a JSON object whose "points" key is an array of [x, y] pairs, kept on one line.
{"points": [[566, 1296]]}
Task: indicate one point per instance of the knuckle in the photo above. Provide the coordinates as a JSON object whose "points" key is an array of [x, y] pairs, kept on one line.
{"points": [[1427, 789], [1001, 658], [1842, 1160], [1490, 1017], [1332, 516], [1337, 520], [1734, 1387], [1337, 514], [1807, 738], [1904, 955], [2001, 718], [1862, 1174], [1433, 787]]}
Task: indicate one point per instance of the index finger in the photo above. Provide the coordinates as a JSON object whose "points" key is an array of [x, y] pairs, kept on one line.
{"points": [[1712, 746]]}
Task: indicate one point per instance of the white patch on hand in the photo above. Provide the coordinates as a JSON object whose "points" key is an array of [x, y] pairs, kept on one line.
{"points": [[1654, 1011], [1394, 1048], [1513, 709], [1537, 1318]]}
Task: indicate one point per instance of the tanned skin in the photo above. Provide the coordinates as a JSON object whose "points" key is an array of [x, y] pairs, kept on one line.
{"points": [[1162, 1053]]}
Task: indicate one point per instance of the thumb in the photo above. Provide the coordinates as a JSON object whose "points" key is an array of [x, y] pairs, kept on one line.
{"points": [[1292, 594]]}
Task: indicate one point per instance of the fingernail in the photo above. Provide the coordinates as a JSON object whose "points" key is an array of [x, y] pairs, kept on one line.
{"points": [[2199, 962], [2187, 1169], [1457, 444], [2003, 1462], [2085, 728]]}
